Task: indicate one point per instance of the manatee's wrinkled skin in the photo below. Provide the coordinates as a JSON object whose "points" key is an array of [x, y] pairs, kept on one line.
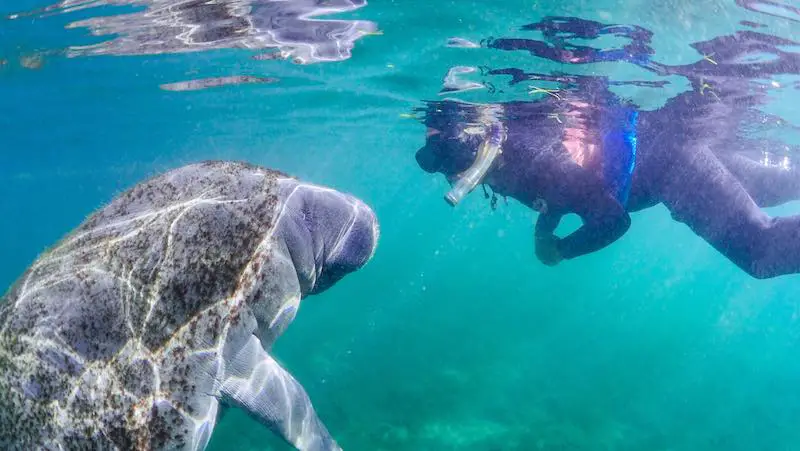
{"points": [[133, 330]]}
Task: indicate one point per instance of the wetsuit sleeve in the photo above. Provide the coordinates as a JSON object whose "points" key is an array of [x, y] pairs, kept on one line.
{"points": [[546, 224], [603, 223], [604, 218]]}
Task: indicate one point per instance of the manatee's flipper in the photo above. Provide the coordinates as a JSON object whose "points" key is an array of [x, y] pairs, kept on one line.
{"points": [[257, 383]]}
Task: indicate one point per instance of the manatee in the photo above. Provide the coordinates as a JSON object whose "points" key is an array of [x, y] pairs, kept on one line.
{"points": [[159, 310]]}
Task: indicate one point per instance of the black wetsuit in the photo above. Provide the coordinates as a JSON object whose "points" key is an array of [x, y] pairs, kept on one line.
{"points": [[574, 155]]}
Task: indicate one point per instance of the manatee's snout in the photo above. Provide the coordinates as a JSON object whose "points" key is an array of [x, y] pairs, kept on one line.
{"points": [[328, 234], [350, 238]]}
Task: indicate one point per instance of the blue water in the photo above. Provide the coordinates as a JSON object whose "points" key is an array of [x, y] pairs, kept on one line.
{"points": [[454, 337]]}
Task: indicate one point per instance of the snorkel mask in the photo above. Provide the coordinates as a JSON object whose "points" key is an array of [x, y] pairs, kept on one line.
{"points": [[494, 136]]}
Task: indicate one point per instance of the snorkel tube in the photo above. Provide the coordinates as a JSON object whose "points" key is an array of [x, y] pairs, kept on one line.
{"points": [[487, 153]]}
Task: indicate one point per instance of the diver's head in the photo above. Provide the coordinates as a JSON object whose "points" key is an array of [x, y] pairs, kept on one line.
{"points": [[452, 139], [462, 142]]}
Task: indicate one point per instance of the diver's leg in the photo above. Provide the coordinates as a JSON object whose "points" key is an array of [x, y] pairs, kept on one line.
{"points": [[769, 186], [702, 193], [257, 383]]}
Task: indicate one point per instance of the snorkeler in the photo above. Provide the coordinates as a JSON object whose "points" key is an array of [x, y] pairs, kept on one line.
{"points": [[587, 152]]}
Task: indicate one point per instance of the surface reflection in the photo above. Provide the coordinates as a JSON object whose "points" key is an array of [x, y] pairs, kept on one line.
{"points": [[286, 29]]}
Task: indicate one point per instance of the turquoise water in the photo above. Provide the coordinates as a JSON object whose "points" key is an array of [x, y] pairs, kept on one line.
{"points": [[454, 337]]}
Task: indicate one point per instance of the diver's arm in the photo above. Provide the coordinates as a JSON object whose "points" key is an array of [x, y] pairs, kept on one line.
{"points": [[569, 188], [544, 238], [604, 221], [546, 224]]}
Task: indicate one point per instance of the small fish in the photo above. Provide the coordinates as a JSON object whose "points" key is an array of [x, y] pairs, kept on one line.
{"points": [[205, 83]]}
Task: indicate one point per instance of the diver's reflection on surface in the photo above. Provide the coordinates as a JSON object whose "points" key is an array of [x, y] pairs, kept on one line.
{"points": [[289, 28]]}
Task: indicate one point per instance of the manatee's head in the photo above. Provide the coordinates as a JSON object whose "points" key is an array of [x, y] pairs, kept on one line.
{"points": [[328, 234], [454, 135]]}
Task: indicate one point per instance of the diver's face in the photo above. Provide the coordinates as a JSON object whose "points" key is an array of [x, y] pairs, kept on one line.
{"points": [[450, 150]]}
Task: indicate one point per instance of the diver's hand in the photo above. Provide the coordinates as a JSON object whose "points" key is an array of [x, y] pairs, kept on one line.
{"points": [[547, 250]]}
